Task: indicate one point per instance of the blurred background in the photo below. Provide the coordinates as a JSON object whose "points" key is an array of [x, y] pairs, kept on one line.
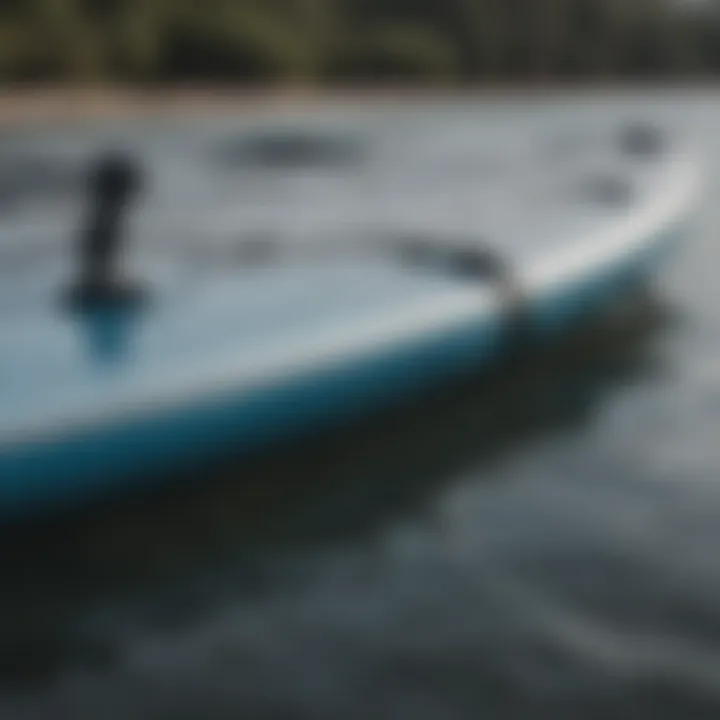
{"points": [[154, 42], [538, 541]]}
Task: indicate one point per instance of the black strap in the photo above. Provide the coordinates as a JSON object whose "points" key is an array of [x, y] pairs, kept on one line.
{"points": [[482, 264]]}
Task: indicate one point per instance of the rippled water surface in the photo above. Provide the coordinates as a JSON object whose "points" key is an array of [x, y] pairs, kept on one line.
{"points": [[539, 541]]}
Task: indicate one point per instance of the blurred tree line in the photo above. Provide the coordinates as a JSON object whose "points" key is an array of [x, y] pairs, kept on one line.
{"points": [[162, 41]]}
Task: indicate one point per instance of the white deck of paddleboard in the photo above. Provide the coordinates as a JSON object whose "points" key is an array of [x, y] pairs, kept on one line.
{"points": [[213, 328]]}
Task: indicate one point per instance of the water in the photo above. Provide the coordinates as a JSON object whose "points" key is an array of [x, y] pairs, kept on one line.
{"points": [[536, 542]]}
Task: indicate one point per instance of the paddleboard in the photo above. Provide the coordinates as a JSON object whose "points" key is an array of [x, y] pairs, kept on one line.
{"points": [[240, 344]]}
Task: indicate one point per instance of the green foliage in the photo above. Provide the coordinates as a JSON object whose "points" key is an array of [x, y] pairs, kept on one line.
{"points": [[315, 40], [399, 52]]}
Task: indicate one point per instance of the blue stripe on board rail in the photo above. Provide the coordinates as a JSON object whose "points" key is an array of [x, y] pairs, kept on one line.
{"points": [[77, 469]]}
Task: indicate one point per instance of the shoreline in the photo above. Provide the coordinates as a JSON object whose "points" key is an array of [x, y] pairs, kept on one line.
{"points": [[31, 104]]}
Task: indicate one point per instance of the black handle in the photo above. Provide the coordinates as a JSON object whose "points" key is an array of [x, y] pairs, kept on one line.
{"points": [[114, 181]]}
